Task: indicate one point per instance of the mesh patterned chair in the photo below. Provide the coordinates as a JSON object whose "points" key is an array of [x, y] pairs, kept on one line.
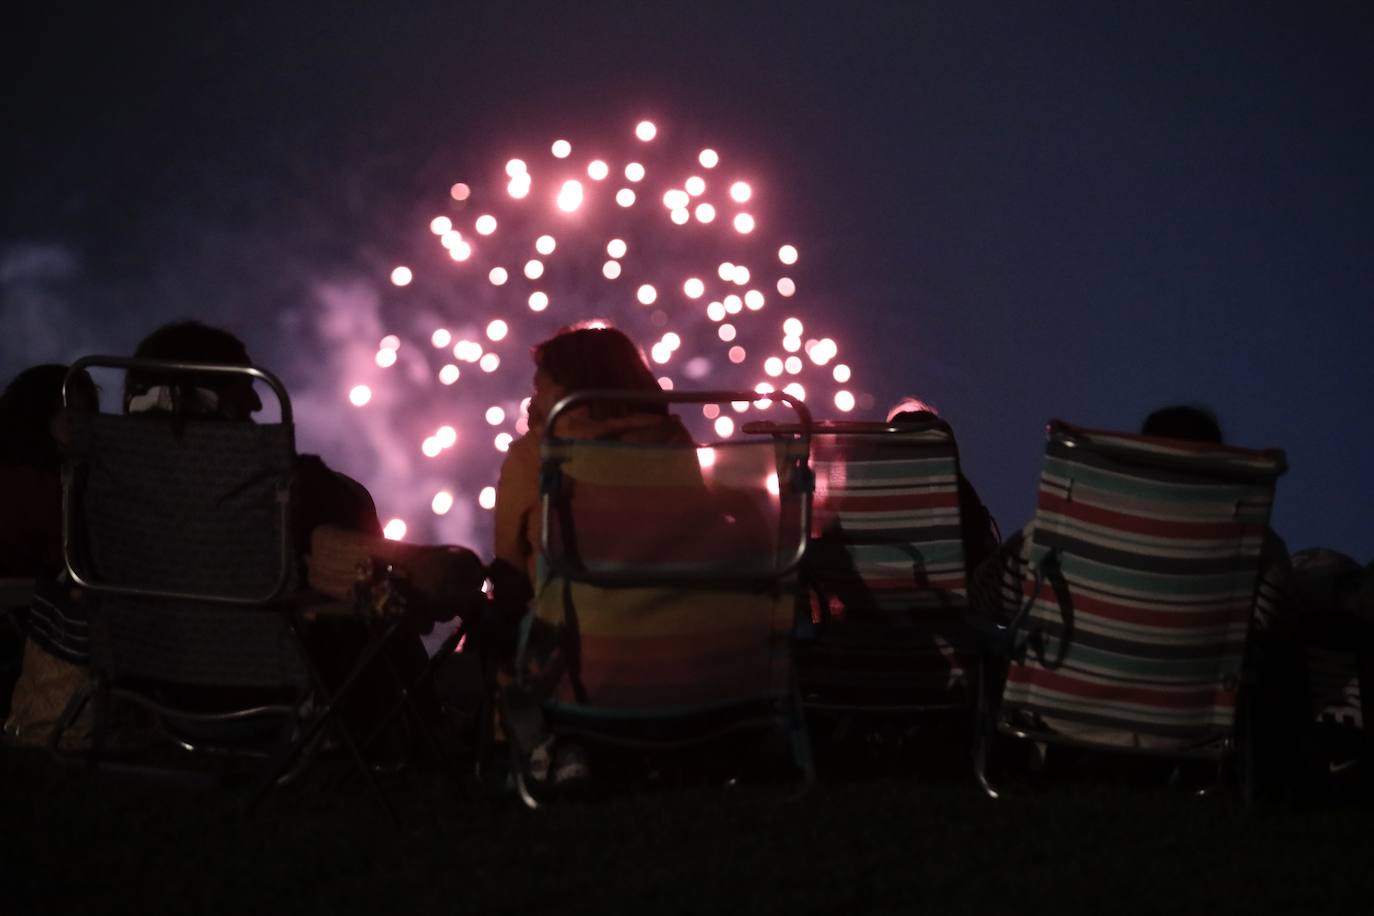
{"points": [[885, 572], [1136, 588], [179, 526], [667, 590]]}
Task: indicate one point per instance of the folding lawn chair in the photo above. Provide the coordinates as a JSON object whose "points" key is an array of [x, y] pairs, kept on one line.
{"points": [[885, 571], [1138, 589], [667, 589], [180, 527]]}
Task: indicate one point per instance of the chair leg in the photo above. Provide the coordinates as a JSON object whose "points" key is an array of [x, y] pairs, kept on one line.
{"points": [[984, 732]]}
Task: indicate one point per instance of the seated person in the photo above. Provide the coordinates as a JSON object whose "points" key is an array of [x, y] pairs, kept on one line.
{"points": [[578, 358], [33, 434], [321, 496]]}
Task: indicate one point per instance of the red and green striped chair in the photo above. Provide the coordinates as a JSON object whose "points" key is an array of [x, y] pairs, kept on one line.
{"points": [[886, 572], [1139, 580], [667, 588]]}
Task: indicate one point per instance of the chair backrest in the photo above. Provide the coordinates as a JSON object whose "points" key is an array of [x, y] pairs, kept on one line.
{"points": [[885, 568], [178, 524], [1142, 578], [669, 571]]}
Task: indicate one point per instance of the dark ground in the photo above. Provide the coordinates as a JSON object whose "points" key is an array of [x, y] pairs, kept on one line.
{"points": [[893, 842]]}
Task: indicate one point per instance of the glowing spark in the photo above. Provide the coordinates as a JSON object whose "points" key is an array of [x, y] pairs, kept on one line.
{"points": [[787, 254], [394, 530], [676, 199], [487, 498], [460, 191], [431, 447], [495, 416], [708, 158], [646, 294], [515, 168], [498, 276], [680, 216], [786, 287], [736, 354], [446, 435], [497, 330], [715, 311], [792, 364], [440, 225], [844, 400], [796, 390], [359, 395], [646, 131], [753, 300], [503, 441], [386, 358], [442, 502], [740, 191], [461, 251], [561, 149], [726, 332], [693, 288], [534, 269], [610, 270], [489, 362], [705, 213], [792, 327], [519, 187], [539, 300], [402, 276], [739, 275], [672, 341], [733, 304], [390, 342], [625, 197], [634, 172], [485, 224], [791, 344], [570, 195], [725, 427], [441, 338], [695, 186], [773, 366], [744, 223], [469, 351], [710, 411], [616, 248], [449, 374], [726, 271], [545, 245], [597, 170]]}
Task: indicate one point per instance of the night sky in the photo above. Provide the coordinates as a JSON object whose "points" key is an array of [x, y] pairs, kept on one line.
{"points": [[1020, 211]]}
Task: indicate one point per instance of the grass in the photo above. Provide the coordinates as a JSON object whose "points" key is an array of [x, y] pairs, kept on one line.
{"points": [[81, 841]]}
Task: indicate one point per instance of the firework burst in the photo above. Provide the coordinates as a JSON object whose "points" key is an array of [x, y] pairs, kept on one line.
{"points": [[677, 247]]}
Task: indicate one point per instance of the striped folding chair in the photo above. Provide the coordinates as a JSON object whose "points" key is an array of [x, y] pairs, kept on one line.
{"points": [[1139, 585], [885, 571], [667, 588]]}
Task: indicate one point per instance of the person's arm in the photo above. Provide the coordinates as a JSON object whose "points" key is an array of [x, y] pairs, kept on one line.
{"points": [[517, 496]]}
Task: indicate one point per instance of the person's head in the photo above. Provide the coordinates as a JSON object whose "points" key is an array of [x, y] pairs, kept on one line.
{"points": [[229, 397], [912, 410], [1183, 421], [586, 357], [33, 420]]}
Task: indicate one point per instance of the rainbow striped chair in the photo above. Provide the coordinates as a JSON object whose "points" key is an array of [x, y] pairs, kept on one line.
{"points": [[1139, 581], [885, 571], [667, 591]]}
